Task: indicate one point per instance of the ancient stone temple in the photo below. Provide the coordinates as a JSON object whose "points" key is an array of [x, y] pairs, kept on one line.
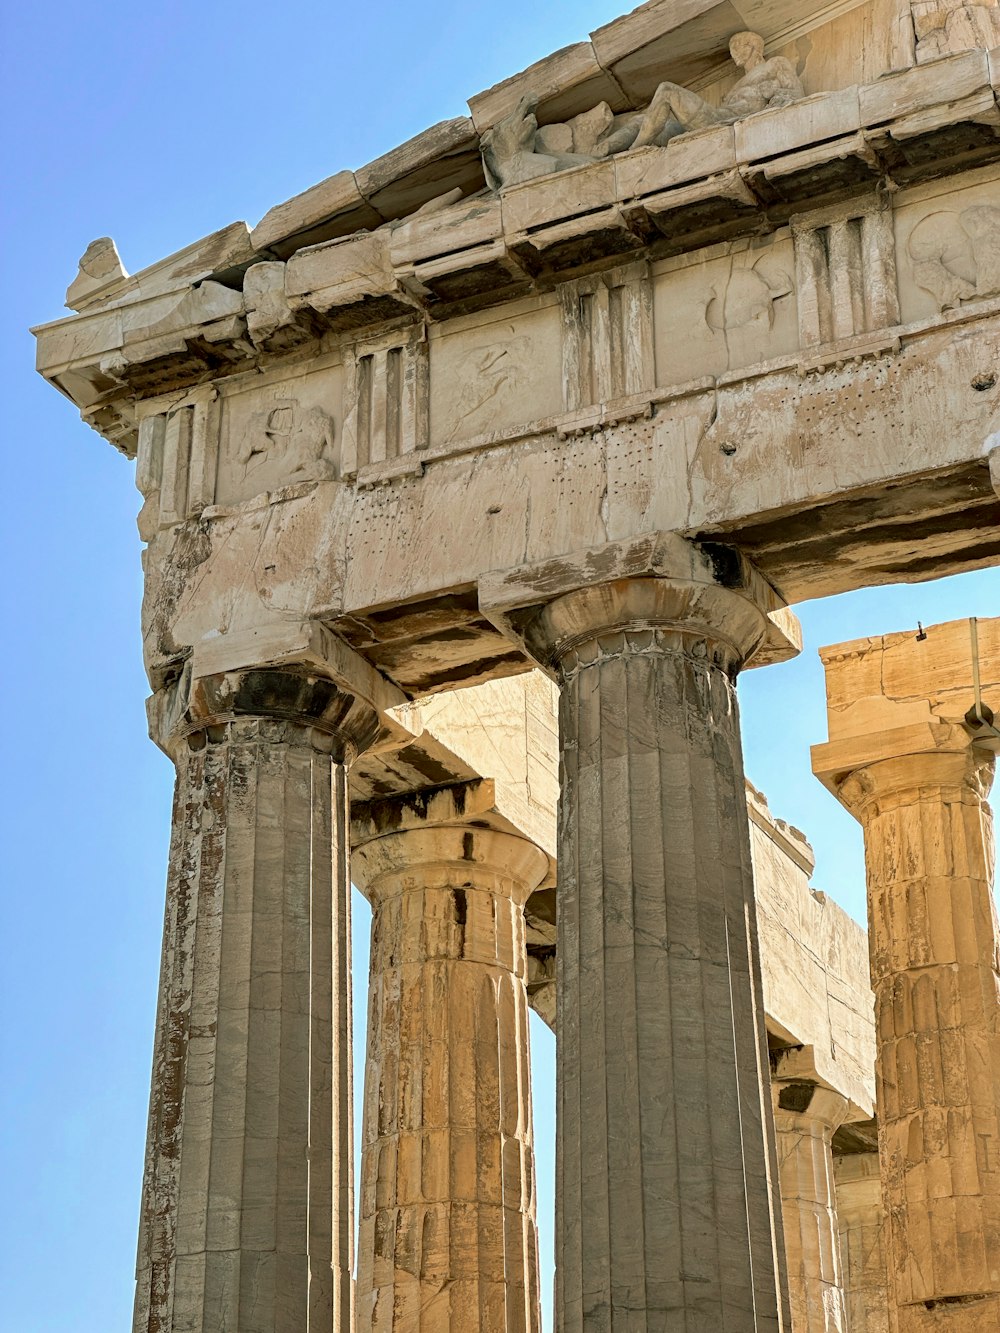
{"points": [[472, 479]]}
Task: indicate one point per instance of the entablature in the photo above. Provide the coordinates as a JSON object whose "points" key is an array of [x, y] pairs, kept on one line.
{"points": [[739, 182]]}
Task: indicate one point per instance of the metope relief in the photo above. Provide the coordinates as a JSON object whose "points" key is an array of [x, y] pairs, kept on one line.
{"points": [[491, 375], [726, 313], [955, 256], [290, 443], [279, 435]]}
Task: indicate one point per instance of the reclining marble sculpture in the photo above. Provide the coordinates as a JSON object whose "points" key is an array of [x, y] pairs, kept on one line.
{"points": [[517, 149]]}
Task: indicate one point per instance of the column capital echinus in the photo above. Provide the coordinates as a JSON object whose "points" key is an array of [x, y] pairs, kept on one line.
{"points": [[657, 593], [869, 774], [421, 858], [303, 684], [908, 716]]}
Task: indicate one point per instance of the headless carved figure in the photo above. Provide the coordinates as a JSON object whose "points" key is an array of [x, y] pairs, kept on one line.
{"points": [[766, 83], [515, 150]]}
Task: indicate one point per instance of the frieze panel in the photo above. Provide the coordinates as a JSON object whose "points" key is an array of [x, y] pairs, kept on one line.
{"points": [[721, 314], [845, 271], [949, 248], [956, 256], [385, 400], [607, 337], [278, 435], [493, 375]]}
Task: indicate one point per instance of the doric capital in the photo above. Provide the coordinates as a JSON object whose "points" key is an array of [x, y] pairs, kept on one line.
{"points": [[799, 1101], [305, 677], [450, 856], [661, 591], [900, 764], [911, 713], [798, 1088]]}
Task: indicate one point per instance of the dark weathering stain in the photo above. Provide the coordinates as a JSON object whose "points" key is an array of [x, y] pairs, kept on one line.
{"points": [[461, 917]]}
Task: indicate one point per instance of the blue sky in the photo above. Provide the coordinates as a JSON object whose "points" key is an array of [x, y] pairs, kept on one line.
{"points": [[158, 124]]}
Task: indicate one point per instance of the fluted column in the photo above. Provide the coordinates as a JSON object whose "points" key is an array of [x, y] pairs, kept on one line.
{"points": [[247, 1213], [935, 955], [447, 1234], [806, 1117], [667, 1212], [861, 1221]]}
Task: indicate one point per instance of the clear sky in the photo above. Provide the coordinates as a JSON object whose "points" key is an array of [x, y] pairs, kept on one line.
{"points": [[158, 124]]}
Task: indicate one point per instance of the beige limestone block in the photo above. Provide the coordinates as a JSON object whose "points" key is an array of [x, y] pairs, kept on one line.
{"points": [[806, 1116], [814, 960], [336, 197], [919, 790], [494, 373], [862, 1224], [738, 309], [447, 1214]]}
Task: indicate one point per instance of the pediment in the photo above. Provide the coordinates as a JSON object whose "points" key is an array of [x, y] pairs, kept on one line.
{"points": [[621, 64]]}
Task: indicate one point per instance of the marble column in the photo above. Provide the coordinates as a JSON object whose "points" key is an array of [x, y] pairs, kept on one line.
{"points": [[447, 1240], [935, 962], [806, 1117], [247, 1216], [861, 1222], [667, 1210]]}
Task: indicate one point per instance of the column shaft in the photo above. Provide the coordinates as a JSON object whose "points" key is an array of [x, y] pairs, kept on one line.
{"points": [[247, 1211], [935, 956], [666, 1215], [448, 1237], [861, 1221], [805, 1120]]}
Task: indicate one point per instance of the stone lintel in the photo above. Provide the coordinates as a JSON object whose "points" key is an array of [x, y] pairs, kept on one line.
{"points": [[833, 762], [512, 598], [898, 695]]}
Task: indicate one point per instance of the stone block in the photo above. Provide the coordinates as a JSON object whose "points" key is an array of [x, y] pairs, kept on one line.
{"points": [[806, 122], [943, 81], [441, 158], [689, 157], [567, 83], [337, 197]]}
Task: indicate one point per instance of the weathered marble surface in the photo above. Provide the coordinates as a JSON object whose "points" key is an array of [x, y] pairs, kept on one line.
{"points": [[862, 1222], [447, 1215], [378, 434], [903, 758]]}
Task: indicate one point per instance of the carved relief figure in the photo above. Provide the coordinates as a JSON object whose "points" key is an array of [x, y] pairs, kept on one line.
{"points": [[517, 150], [946, 27], [766, 83], [289, 444], [956, 256], [512, 152], [741, 311]]}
